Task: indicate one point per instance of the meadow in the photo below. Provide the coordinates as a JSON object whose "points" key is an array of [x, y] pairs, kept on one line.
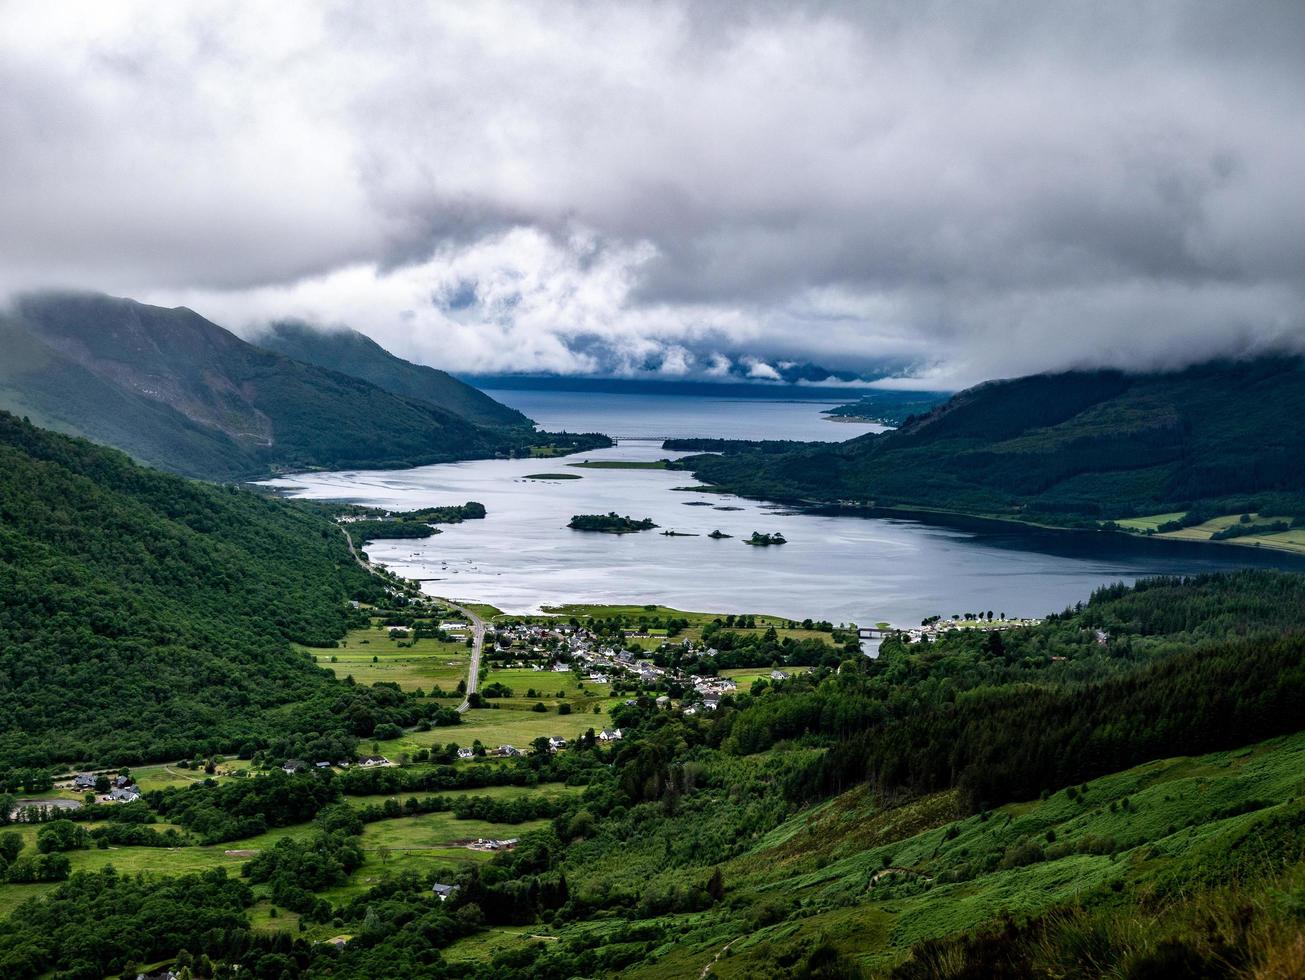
{"points": [[372, 656]]}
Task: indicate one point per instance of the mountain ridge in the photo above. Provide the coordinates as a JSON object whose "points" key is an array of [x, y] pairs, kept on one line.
{"points": [[350, 352], [179, 392], [1074, 446]]}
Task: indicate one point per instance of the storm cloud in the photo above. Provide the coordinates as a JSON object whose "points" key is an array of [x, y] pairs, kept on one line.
{"points": [[956, 191]]}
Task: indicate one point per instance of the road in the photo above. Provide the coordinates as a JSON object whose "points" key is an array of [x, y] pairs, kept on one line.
{"points": [[477, 626], [477, 641]]}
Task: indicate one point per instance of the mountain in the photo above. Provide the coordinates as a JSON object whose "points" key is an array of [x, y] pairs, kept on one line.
{"points": [[143, 615], [1071, 447], [179, 392], [349, 352]]}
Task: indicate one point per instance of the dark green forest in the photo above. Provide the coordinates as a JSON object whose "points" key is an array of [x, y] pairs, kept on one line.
{"points": [[1074, 448], [144, 616]]}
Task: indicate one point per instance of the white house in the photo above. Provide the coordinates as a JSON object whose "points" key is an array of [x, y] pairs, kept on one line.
{"points": [[609, 735]]}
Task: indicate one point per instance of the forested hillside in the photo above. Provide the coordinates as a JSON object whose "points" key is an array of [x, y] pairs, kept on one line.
{"points": [[1074, 447], [1114, 792], [349, 352], [179, 392], [146, 616]]}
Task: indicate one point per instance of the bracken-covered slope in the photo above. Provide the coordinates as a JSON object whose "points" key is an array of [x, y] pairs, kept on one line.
{"points": [[1089, 444], [143, 615], [179, 392], [349, 352]]}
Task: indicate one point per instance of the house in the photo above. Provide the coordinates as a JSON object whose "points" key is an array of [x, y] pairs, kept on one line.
{"points": [[129, 794], [598, 678], [122, 782], [647, 677], [84, 780], [369, 761], [609, 735], [466, 754], [778, 675], [293, 766], [323, 765], [556, 742], [664, 701], [508, 750], [443, 892], [690, 710], [711, 703]]}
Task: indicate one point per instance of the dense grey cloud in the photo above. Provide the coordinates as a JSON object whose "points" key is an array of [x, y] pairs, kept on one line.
{"points": [[970, 190]]}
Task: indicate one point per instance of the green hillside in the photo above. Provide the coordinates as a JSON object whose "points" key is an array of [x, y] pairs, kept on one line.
{"points": [[1075, 447], [859, 819], [349, 352], [180, 393], [147, 616]]}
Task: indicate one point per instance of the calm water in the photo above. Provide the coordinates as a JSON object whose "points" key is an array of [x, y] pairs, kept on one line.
{"points": [[849, 569], [663, 416]]}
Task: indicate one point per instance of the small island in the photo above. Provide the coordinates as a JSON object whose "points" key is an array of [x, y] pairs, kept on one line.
{"points": [[611, 523], [366, 524], [679, 534], [765, 540], [553, 476], [718, 535]]}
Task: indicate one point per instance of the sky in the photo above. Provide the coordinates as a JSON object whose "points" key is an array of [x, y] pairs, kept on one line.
{"points": [[943, 192]]}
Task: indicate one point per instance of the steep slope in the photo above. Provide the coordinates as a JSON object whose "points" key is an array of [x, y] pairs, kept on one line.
{"points": [[1082, 444], [349, 352], [144, 615], [179, 392]]}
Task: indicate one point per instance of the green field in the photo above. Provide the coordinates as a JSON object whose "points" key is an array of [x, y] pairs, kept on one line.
{"points": [[1149, 523], [417, 843], [550, 790], [371, 656], [744, 676], [1292, 540]]}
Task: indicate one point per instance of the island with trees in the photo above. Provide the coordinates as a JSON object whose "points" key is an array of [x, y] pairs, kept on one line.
{"points": [[364, 524], [766, 540], [609, 523]]}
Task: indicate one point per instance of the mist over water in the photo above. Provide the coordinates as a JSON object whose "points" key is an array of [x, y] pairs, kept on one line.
{"points": [[840, 568]]}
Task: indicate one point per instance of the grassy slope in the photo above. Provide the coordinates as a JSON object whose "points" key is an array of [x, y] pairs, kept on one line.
{"points": [[349, 352], [181, 393], [817, 877]]}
